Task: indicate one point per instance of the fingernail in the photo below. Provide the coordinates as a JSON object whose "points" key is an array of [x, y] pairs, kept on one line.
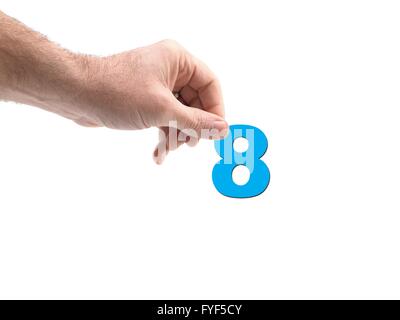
{"points": [[222, 127]]}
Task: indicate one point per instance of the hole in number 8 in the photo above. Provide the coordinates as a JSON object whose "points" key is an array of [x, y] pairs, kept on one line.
{"points": [[230, 159]]}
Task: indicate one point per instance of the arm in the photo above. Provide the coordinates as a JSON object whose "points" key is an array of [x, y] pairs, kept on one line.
{"points": [[37, 72], [129, 90]]}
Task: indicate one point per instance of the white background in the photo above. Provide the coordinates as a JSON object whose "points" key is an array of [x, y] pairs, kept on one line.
{"points": [[85, 213]]}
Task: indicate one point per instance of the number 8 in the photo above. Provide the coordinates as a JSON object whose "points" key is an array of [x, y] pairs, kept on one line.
{"points": [[259, 172]]}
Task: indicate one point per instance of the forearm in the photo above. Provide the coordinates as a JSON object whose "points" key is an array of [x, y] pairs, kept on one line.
{"points": [[35, 71]]}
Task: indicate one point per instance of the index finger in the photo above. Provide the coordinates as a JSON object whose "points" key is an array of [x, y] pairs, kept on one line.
{"points": [[208, 88]]}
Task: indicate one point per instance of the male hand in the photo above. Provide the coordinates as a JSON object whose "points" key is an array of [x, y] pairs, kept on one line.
{"points": [[161, 85], [153, 87]]}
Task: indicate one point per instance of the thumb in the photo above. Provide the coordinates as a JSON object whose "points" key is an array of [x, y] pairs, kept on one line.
{"points": [[197, 122]]}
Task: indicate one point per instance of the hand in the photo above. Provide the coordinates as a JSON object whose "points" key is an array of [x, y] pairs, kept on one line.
{"points": [[161, 85], [150, 87]]}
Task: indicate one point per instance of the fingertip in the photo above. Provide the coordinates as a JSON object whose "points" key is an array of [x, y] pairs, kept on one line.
{"points": [[220, 129], [191, 141], [158, 156], [220, 136], [224, 133]]}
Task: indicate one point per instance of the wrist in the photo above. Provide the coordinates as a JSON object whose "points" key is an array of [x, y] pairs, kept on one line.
{"points": [[44, 79], [86, 77], [64, 86]]}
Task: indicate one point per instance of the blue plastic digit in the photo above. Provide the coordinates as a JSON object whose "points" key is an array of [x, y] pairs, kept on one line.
{"points": [[259, 172]]}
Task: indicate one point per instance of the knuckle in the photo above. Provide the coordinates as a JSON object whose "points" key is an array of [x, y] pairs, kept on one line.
{"points": [[198, 120], [170, 43], [202, 123], [184, 119]]}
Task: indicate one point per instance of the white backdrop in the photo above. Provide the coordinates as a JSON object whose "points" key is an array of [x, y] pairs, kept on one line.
{"points": [[85, 213]]}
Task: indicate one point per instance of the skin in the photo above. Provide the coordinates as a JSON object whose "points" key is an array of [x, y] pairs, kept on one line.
{"points": [[142, 88]]}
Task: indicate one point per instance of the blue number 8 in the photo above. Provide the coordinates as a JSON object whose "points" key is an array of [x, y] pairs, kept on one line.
{"points": [[259, 172]]}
